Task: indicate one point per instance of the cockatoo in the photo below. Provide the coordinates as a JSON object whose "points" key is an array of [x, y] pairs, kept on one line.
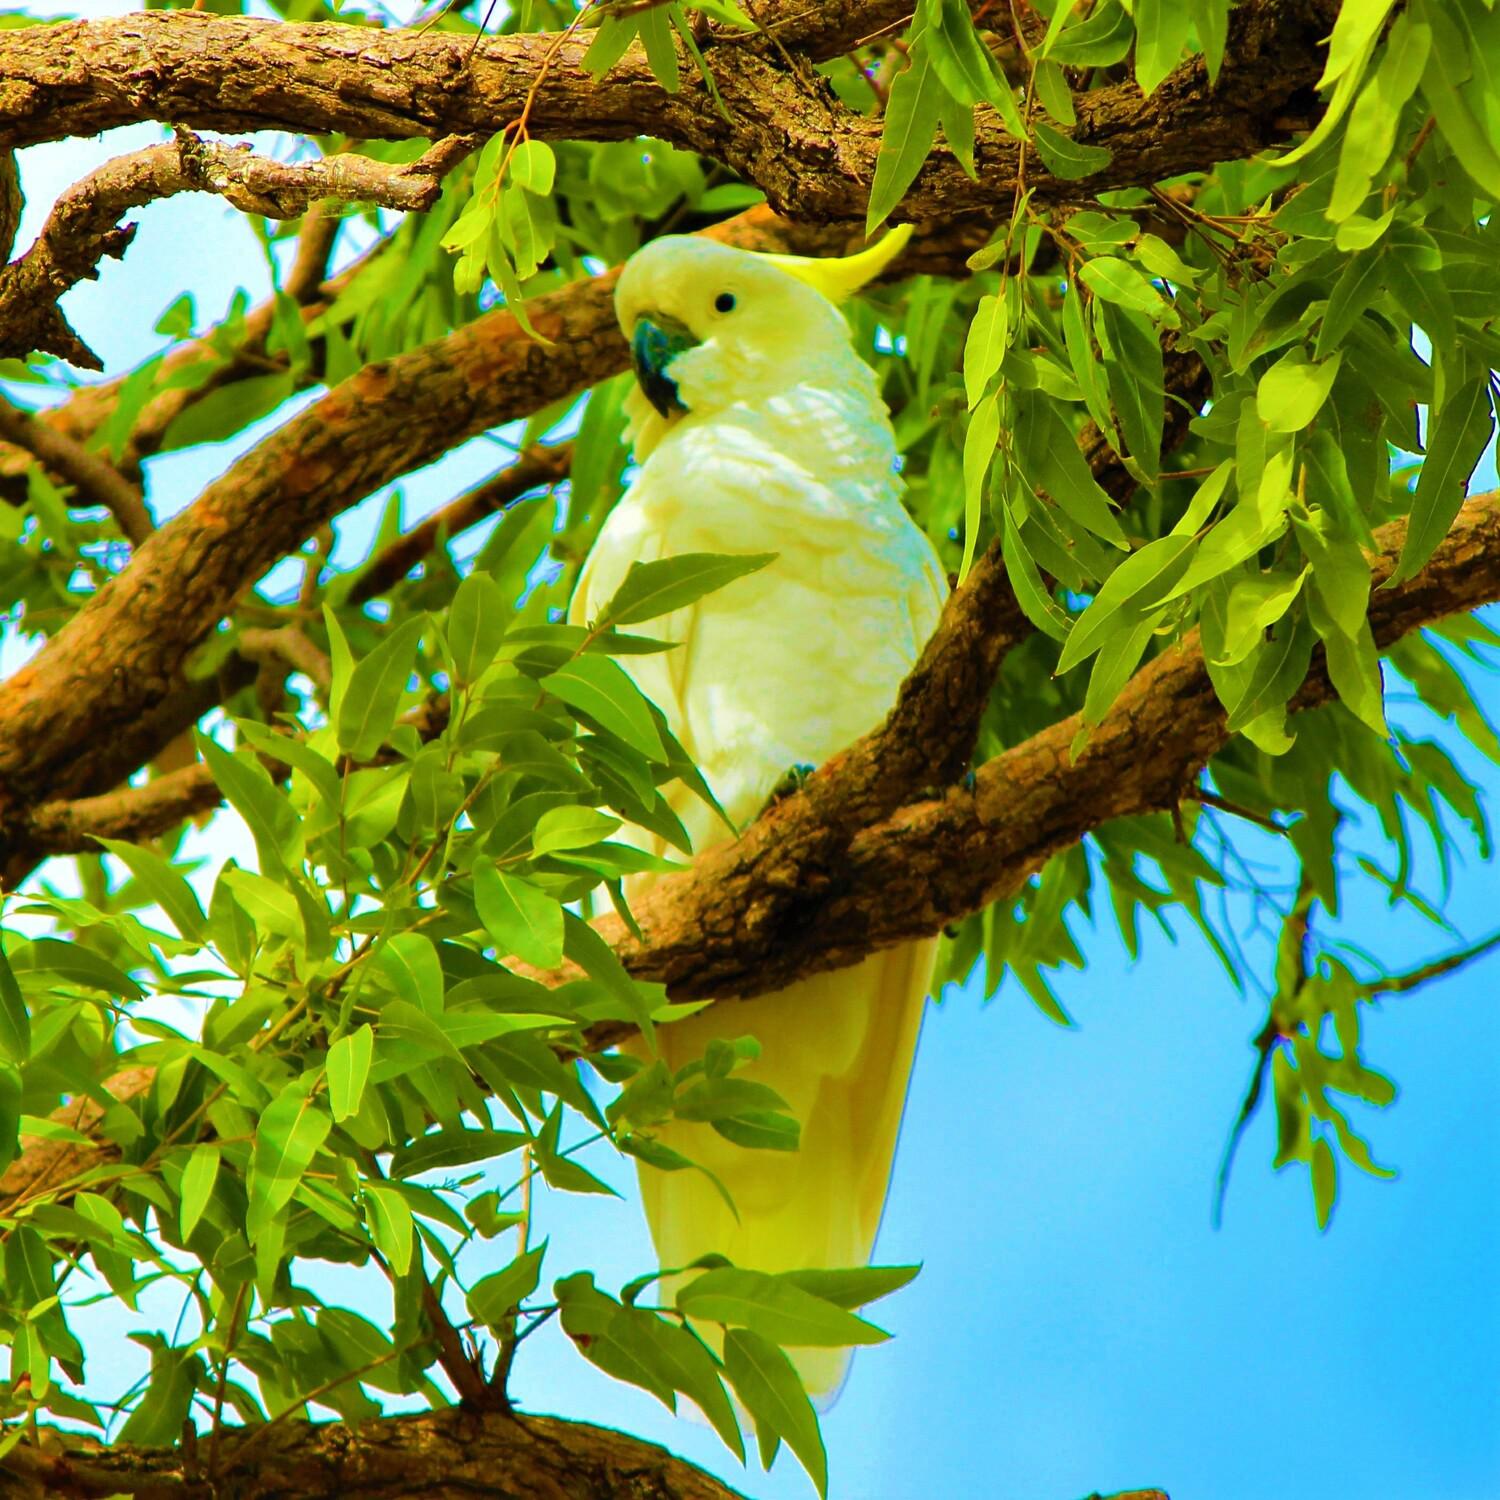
{"points": [[758, 428]]}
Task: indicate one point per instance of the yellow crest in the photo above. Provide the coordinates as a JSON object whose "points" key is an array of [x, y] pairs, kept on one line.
{"points": [[840, 276]]}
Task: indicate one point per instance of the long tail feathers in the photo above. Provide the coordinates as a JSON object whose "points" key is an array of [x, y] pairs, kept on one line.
{"points": [[838, 1047]]}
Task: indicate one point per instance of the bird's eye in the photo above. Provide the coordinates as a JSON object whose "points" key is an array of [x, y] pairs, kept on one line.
{"points": [[724, 302]]}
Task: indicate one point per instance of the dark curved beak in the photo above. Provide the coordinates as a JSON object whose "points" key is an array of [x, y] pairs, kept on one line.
{"points": [[655, 342]]}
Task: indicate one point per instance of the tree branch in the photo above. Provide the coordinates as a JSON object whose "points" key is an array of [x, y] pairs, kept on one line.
{"points": [[68, 717], [780, 128], [96, 480], [84, 225], [443, 1455], [755, 915], [536, 468]]}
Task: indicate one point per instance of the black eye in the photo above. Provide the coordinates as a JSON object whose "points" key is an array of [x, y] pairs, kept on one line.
{"points": [[724, 302]]}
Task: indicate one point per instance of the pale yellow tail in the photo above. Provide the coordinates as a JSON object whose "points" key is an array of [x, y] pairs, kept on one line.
{"points": [[838, 1047]]}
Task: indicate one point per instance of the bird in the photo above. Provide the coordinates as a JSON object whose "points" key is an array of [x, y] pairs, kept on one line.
{"points": [[758, 428]]}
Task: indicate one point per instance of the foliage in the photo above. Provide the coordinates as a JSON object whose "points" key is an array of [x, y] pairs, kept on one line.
{"points": [[344, 1033]]}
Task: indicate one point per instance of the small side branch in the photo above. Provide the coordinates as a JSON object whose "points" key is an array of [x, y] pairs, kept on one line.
{"points": [[535, 468], [84, 227], [96, 480]]}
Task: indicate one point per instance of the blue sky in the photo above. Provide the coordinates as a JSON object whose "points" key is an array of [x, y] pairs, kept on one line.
{"points": [[1078, 1324]]}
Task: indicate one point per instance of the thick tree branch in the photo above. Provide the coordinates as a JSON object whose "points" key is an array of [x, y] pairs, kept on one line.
{"points": [[89, 407], [442, 1455], [756, 914], [781, 128], [70, 717], [84, 225]]}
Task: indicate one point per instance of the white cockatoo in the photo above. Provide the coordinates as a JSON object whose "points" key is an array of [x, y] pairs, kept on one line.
{"points": [[758, 428]]}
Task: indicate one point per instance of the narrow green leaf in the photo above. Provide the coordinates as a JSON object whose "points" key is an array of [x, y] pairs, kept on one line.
{"points": [[476, 625], [1325, 1181], [661, 52], [980, 438], [911, 122], [492, 1299], [522, 920], [388, 1215], [162, 884], [774, 1308], [288, 1136], [1142, 579], [1459, 432], [198, 1179], [985, 345], [376, 686], [1161, 31], [653, 589], [270, 816], [601, 690], [348, 1071], [15, 1020], [1065, 157], [765, 1381]]}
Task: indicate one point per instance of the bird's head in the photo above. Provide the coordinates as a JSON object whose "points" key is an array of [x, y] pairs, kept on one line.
{"points": [[710, 325]]}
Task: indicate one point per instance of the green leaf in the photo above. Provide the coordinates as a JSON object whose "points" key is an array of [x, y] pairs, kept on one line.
{"points": [[409, 965], [611, 40], [1065, 157], [775, 1308], [1211, 22], [853, 1287], [1459, 432], [198, 1179], [161, 883], [1098, 41], [911, 122], [661, 52], [288, 1136], [348, 1071], [1371, 131], [653, 589], [533, 166], [521, 919], [1355, 33], [376, 686], [476, 626], [1292, 392], [1143, 579], [765, 1381], [1161, 32], [494, 1298], [571, 827], [1256, 604], [1325, 1181], [1354, 291], [1353, 664], [453, 1148], [601, 690], [1118, 281], [985, 345], [15, 1020], [597, 959], [388, 1215], [980, 438], [1442, 85], [271, 818]]}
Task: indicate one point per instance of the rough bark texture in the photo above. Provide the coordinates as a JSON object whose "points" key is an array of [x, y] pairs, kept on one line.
{"points": [[883, 845], [782, 127], [756, 914], [443, 1455]]}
